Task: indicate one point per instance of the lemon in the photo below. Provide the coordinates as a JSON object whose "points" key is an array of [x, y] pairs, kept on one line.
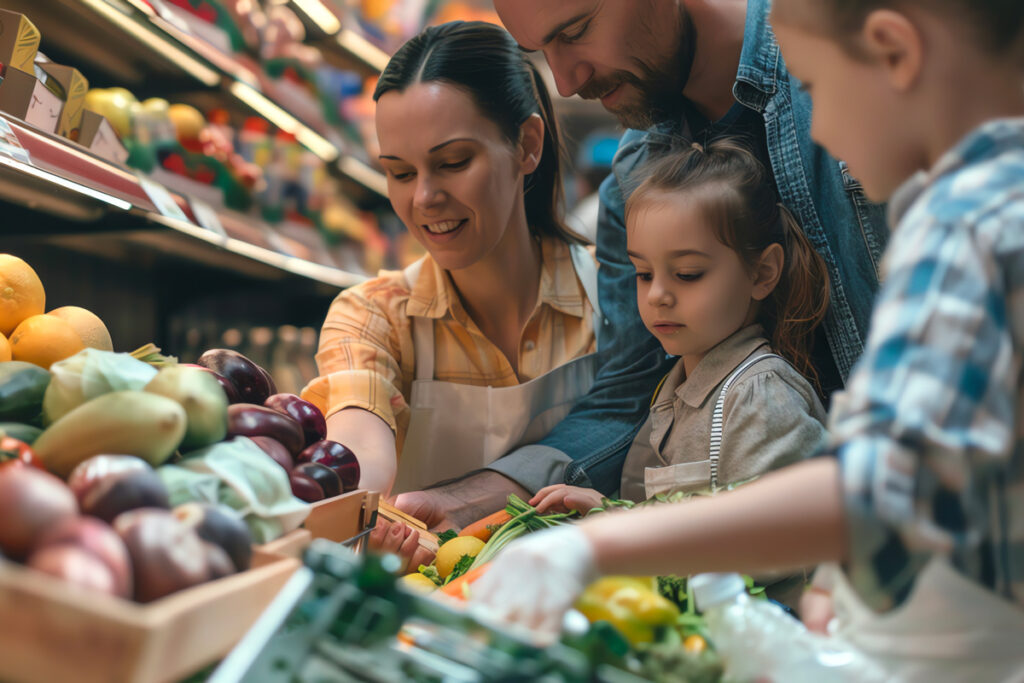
{"points": [[21, 293], [451, 552], [417, 583]]}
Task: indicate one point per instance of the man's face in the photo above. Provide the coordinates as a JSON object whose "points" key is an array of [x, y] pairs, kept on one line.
{"points": [[633, 55]]}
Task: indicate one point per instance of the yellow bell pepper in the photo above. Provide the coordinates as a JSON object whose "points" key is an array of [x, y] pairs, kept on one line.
{"points": [[630, 604]]}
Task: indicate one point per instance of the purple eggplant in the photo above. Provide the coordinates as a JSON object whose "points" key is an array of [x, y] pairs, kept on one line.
{"points": [[308, 415], [246, 419], [336, 456], [305, 487], [251, 383], [324, 476], [275, 450]]}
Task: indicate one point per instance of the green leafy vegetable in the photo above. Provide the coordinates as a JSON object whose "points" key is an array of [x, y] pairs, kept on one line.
{"points": [[446, 536], [430, 571], [461, 567]]}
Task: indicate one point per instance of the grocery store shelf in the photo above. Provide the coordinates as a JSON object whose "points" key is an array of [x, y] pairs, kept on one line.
{"points": [[151, 50], [328, 33], [104, 208]]}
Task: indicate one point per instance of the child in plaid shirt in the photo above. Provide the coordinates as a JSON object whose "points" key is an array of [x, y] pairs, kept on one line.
{"points": [[922, 498]]}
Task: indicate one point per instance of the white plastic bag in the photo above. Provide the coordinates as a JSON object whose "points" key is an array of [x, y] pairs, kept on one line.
{"points": [[88, 374], [237, 473]]}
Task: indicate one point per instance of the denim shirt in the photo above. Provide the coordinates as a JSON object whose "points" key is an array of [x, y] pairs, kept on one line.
{"points": [[588, 447]]}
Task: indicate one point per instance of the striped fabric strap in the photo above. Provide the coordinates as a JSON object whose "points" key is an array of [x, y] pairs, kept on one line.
{"points": [[716, 418]]}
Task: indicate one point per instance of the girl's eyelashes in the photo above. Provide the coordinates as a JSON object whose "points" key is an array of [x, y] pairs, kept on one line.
{"points": [[689, 277], [643, 277]]}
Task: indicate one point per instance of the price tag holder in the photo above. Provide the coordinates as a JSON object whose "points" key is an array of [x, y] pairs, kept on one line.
{"points": [[162, 199], [10, 145], [206, 216]]}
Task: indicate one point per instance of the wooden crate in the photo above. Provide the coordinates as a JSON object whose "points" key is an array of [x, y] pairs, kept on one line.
{"points": [[337, 519], [53, 631]]}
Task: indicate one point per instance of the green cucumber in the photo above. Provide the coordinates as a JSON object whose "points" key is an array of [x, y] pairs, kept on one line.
{"points": [[22, 387], [21, 432]]}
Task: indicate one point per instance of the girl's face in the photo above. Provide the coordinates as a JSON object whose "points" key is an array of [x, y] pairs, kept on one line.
{"points": [[692, 290], [453, 178]]}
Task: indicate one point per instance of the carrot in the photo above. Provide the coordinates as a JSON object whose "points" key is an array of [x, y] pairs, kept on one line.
{"points": [[459, 588], [483, 528]]}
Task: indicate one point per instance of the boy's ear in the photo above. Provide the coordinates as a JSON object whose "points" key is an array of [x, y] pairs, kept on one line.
{"points": [[894, 42], [531, 143], [767, 271]]}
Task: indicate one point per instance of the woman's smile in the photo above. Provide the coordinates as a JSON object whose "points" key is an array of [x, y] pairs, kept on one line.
{"points": [[444, 231]]}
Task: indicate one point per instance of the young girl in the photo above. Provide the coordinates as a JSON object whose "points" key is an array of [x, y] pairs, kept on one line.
{"points": [[727, 281]]}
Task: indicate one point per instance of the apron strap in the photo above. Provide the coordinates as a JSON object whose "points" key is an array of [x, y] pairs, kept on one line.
{"points": [[716, 418], [422, 330], [586, 271]]}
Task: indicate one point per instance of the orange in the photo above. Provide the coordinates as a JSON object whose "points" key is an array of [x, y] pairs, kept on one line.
{"points": [[87, 324], [21, 293], [451, 552], [5, 349], [44, 340]]}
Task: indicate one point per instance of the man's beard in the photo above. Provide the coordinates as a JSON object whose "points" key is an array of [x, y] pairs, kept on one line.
{"points": [[660, 85]]}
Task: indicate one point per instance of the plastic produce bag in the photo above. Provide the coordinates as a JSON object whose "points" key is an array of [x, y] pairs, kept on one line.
{"points": [[88, 374], [238, 474]]}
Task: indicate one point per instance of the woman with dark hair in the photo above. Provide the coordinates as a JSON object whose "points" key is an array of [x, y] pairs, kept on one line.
{"points": [[436, 371]]}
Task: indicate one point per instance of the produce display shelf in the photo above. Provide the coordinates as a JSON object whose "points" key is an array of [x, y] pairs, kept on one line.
{"points": [[110, 211], [150, 46], [348, 46]]}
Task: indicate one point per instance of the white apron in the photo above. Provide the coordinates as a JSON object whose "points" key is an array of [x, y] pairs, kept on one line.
{"points": [[456, 429], [949, 630], [703, 474]]}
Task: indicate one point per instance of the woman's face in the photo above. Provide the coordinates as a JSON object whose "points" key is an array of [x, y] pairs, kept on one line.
{"points": [[453, 178]]}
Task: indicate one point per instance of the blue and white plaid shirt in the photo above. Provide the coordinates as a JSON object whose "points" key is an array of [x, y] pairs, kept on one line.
{"points": [[930, 431]]}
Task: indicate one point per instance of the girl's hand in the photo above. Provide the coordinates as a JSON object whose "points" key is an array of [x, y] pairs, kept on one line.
{"points": [[816, 609], [564, 498], [401, 540]]}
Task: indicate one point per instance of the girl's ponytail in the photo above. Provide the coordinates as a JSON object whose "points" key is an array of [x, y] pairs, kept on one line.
{"points": [[800, 300]]}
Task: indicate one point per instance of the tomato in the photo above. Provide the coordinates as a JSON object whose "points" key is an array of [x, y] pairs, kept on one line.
{"points": [[14, 453]]}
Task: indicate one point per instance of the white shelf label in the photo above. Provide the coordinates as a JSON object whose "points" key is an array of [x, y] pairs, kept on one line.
{"points": [[10, 145], [162, 199], [207, 216]]}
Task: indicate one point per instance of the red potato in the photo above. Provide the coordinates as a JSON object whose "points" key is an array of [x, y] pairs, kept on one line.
{"points": [[251, 382], [322, 475], [96, 538], [108, 496], [246, 419], [220, 527], [275, 450], [309, 417], [76, 566], [305, 487], [336, 456], [90, 472], [167, 556], [31, 501]]}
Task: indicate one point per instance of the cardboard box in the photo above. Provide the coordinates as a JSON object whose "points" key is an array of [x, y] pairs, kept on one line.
{"points": [[52, 631], [96, 133], [76, 87], [24, 96], [19, 41]]}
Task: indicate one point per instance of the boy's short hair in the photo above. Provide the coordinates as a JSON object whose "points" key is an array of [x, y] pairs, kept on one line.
{"points": [[999, 23]]}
